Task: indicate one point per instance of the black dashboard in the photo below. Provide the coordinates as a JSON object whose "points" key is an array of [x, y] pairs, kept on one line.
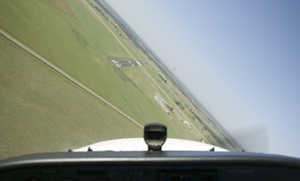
{"points": [[162, 165]]}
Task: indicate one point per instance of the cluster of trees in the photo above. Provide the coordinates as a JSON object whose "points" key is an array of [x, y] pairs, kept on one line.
{"points": [[170, 108], [162, 78], [179, 104]]}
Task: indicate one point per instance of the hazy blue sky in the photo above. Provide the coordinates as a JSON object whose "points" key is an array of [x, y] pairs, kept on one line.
{"points": [[240, 58]]}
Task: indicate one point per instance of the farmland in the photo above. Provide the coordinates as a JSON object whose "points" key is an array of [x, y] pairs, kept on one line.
{"points": [[43, 110]]}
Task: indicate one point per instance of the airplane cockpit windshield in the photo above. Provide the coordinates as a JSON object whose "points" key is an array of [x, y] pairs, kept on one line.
{"points": [[81, 72]]}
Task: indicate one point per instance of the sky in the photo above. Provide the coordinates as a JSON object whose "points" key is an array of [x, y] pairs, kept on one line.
{"points": [[240, 58]]}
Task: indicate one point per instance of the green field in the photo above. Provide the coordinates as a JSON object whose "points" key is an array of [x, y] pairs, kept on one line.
{"points": [[42, 110]]}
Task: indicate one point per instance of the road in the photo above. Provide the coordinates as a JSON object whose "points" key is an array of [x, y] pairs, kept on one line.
{"points": [[143, 69], [66, 75]]}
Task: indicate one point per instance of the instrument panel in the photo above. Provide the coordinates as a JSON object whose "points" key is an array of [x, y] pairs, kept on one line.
{"points": [[164, 166]]}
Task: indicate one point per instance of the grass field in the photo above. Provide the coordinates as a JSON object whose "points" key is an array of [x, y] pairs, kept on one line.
{"points": [[41, 110]]}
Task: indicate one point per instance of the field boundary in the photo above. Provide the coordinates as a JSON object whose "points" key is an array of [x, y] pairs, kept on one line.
{"points": [[66, 75]]}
